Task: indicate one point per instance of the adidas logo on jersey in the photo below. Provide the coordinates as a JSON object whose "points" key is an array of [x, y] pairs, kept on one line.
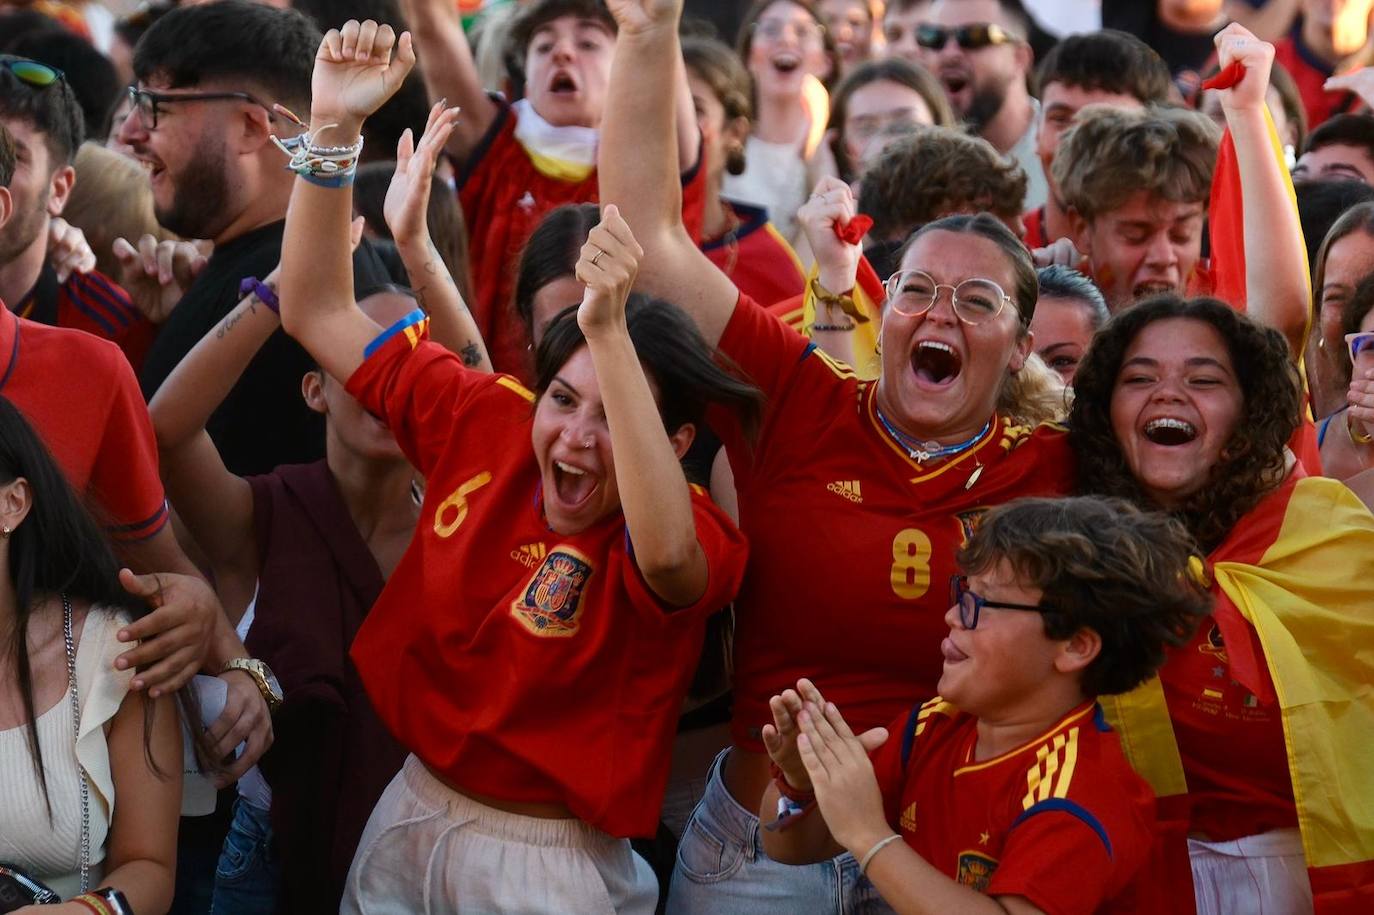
{"points": [[908, 820], [847, 488], [529, 555]]}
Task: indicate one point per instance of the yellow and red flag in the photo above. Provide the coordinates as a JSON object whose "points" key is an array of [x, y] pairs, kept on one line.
{"points": [[1297, 578]]}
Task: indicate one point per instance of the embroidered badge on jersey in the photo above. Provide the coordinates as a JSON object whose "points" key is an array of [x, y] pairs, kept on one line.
{"points": [[976, 870], [552, 601]]}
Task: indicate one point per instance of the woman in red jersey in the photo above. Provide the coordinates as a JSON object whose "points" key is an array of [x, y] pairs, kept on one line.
{"points": [[533, 646], [857, 493], [1255, 733]]}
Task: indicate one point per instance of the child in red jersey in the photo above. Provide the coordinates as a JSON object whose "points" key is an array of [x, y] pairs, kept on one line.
{"points": [[1008, 793], [534, 644], [518, 160]]}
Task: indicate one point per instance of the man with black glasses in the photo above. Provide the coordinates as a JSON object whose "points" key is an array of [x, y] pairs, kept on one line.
{"points": [[978, 50], [202, 124]]}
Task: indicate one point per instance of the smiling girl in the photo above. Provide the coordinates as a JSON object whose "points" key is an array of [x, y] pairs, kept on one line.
{"points": [[534, 644]]}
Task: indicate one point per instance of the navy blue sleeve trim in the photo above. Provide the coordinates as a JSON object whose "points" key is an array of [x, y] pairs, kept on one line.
{"points": [[909, 734], [1064, 805], [810, 348]]}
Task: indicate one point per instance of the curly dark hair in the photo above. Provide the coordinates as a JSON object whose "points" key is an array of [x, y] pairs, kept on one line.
{"points": [[1253, 461], [1104, 565], [934, 172]]}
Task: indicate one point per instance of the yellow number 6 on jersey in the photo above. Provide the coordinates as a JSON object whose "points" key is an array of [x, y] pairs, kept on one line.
{"points": [[458, 502], [910, 564]]}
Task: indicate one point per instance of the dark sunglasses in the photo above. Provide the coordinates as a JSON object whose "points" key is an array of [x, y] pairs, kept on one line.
{"points": [[971, 605], [969, 37], [31, 72], [147, 102]]}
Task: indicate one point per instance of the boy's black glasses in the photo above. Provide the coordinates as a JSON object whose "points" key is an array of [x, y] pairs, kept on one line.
{"points": [[971, 605], [31, 72], [969, 37]]}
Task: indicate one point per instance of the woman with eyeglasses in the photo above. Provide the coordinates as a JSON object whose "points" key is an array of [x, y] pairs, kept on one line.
{"points": [[1255, 733], [857, 493], [1347, 435], [792, 60]]}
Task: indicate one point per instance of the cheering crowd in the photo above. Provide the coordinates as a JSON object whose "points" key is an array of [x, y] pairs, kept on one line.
{"points": [[588, 456]]}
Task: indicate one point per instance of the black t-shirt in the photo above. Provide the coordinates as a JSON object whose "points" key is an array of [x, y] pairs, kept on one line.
{"points": [[264, 421]]}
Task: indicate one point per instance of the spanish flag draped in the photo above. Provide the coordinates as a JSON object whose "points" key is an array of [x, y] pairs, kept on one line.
{"points": [[1295, 593]]}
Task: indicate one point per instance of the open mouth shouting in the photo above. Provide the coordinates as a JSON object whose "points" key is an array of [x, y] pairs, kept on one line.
{"points": [[1147, 288], [936, 364], [1169, 432], [786, 63], [573, 486], [562, 84]]}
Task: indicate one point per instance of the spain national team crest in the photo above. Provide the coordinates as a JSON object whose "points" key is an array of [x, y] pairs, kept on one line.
{"points": [[975, 870], [552, 601]]}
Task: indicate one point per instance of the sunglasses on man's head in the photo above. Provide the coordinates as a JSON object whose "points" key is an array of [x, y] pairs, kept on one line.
{"points": [[31, 72], [969, 37]]}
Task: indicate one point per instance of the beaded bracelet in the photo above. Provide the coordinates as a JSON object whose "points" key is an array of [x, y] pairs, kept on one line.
{"points": [[251, 285], [325, 166]]}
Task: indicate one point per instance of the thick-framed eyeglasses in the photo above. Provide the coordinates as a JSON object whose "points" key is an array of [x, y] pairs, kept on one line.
{"points": [[148, 102], [970, 37], [1358, 343], [971, 605], [912, 293], [806, 32], [31, 72]]}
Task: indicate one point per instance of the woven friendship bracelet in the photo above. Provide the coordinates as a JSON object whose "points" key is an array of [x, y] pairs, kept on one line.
{"points": [[326, 166]]}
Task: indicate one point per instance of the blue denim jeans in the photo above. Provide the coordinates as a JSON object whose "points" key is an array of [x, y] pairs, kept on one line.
{"points": [[721, 868], [246, 877]]}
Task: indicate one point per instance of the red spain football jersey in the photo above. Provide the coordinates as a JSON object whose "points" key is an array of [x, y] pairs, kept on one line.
{"points": [[756, 258], [504, 196], [516, 662], [1062, 820], [852, 542], [80, 395]]}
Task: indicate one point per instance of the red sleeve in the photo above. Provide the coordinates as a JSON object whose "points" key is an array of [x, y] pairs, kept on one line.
{"points": [[726, 552], [802, 386], [124, 478], [1059, 856], [418, 389]]}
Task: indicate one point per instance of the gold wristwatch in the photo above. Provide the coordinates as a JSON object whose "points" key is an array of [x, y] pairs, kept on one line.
{"points": [[262, 675]]}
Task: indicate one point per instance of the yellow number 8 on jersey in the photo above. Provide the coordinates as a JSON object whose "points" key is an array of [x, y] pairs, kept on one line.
{"points": [[910, 564]]}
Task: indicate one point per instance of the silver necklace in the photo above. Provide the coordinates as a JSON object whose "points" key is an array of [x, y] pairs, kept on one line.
{"points": [[925, 451], [70, 643]]}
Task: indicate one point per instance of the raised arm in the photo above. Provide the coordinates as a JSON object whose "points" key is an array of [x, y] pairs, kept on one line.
{"points": [[215, 505], [406, 207], [354, 74], [1276, 273], [450, 71], [636, 164], [653, 490]]}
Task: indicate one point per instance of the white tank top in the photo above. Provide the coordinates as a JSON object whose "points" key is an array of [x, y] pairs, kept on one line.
{"points": [[50, 850]]}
